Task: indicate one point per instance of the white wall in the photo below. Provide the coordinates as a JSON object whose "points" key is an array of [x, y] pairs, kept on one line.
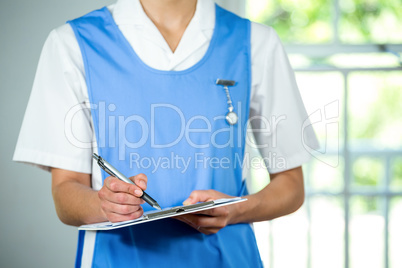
{"points": [[30, 233]]}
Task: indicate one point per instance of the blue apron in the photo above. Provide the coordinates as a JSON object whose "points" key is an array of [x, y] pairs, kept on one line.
{"points": [[171, 126]]}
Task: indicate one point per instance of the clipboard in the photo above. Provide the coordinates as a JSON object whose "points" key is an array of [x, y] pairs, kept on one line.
{"points": [[165, 213]]}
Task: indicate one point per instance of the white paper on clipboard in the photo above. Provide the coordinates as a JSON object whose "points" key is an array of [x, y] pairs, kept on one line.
{"points": [[162, 214]]}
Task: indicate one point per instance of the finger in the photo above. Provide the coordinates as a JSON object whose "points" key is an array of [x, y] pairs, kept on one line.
{"points": [[204, 221], [214, 212], [120, 198], [208, 231], [183, 219], [106, 196], [189, 219], [140, 180], [109, 207], [116, 185], [204, 230], [114, 217], [199, 196]]}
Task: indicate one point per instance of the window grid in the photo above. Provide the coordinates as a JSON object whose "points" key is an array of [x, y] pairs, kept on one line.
{"points": [[386, 155], [346, 193], [348, 155]]}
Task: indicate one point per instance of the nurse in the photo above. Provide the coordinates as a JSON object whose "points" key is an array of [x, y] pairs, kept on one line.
{"points": [[142, 83]]}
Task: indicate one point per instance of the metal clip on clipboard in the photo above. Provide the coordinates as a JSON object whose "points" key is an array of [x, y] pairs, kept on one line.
{"points": [[166, 213], [175, 210]]}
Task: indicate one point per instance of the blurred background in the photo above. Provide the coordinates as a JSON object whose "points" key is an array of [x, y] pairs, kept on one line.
{"points": [[346, 54]]}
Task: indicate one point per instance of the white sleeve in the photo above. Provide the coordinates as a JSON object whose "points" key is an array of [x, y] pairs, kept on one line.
{"points": [[56, 130], [277, 113]]}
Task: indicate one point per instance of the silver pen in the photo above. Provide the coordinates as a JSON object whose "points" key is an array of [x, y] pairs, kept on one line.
{"points": [[112, 171]]}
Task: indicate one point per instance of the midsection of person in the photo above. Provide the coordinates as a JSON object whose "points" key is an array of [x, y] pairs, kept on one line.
{"points": [[140, 111]]}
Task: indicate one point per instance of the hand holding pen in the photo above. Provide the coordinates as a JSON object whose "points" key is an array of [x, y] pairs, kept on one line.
{"points": [[121, 198]]}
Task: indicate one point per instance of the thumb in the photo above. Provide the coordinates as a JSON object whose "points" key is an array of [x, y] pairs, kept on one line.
{"points": [[198, 196]]}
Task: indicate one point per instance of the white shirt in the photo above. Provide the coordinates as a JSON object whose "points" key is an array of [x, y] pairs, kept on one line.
{"points": [[59, 86]]}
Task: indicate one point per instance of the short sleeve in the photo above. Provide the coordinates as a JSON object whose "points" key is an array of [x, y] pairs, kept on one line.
{"points": [[57, 130], [277, 114]]}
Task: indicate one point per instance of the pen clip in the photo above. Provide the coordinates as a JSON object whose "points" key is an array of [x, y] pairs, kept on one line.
{"points": [[105, 168]]}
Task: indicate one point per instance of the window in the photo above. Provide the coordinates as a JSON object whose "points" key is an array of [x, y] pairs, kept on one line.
{"points": [[346, 54]]}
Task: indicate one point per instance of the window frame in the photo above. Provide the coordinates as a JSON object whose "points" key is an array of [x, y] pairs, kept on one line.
{"points": [[348, 155]]}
